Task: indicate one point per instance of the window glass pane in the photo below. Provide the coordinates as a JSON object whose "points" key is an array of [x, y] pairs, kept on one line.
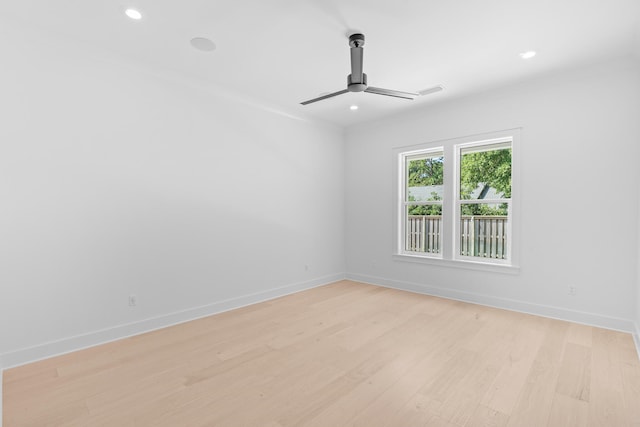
{"points": [[425, 178], [423, 228], [485, 172], [483, 230]]}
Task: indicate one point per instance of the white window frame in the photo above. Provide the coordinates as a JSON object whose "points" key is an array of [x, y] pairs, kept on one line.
{"points": [[450, 250]]}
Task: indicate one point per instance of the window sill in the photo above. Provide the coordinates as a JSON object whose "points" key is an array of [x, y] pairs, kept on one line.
{"points": [[467, 265]]}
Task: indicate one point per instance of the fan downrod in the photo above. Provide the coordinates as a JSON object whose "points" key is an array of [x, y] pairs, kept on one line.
{"points": [[357, 80]]}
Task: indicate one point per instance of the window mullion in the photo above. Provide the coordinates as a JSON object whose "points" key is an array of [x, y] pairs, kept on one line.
{"points": [[448, 209]]}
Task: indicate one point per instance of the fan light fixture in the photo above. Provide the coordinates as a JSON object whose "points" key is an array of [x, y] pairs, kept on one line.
{"points": [[133, 14]]}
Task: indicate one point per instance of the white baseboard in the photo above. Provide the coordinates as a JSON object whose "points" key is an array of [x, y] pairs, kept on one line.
{"points": [[591, 319], [67, 345]]}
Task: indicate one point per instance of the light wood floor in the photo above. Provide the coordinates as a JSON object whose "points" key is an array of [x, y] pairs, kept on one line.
{"points": [[345, 354]]}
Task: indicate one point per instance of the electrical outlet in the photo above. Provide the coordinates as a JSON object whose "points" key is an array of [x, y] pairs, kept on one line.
{"points": [[572, 291], [133, 300]]}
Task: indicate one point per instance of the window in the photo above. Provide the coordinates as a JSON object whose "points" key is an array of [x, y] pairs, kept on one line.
{"points": [[484, 195], [455, 201], [423, 202]]}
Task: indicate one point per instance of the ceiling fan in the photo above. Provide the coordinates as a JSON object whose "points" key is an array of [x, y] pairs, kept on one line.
{"points": [[357, 80]]}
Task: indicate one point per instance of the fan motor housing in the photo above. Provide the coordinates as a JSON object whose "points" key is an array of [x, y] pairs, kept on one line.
{"points": [[356, 40], [357, 87]]}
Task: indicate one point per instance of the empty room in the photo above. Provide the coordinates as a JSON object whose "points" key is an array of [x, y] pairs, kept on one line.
{"points": [[319, 213]]}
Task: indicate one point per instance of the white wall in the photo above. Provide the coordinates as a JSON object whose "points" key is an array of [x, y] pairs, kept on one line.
{"points": [[579, 195], [117, 181]]}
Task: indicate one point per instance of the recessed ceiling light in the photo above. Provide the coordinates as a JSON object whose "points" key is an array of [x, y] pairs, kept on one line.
{"points": [[353, 107], [133, 14], [528, 54], [203, 44]]}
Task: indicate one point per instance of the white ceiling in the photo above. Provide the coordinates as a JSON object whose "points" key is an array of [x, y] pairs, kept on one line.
{"points": [[282, 52]]}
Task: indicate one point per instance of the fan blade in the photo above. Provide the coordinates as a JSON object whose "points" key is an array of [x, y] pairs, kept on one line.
{"points": [[320, 98], [389, 92], [430, 90]]}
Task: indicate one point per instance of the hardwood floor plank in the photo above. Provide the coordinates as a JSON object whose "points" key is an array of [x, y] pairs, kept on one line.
{"points": [[580, 334], [575, 372], [462, 403], [436, 421], [345, 409], [535, 399], [385, 408], [567, 411], [487, 417], [607, 403], [503, 393], [630, 378]]}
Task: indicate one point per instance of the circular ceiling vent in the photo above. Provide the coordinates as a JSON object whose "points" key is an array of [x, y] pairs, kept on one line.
{"points": [[203, 44]]}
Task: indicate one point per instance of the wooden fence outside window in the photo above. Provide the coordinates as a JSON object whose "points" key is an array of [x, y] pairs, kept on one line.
{"points": [[480, 236]]}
